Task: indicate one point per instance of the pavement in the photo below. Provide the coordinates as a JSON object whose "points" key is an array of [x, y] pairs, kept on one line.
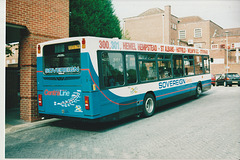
{"points": [[13, 123], [203, 128]]}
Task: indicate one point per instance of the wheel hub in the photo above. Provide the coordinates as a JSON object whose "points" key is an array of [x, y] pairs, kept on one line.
{"points": [[149, 105]]}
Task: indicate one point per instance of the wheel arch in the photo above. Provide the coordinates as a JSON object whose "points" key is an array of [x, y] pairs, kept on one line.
{"points": [[200, 84], [151, 92]]}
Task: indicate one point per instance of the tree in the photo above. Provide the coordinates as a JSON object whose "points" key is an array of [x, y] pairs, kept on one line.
{"points": [[93, 18]]}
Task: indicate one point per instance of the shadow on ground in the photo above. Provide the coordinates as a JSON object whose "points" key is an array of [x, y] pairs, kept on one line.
{"points": [[106, 126]]}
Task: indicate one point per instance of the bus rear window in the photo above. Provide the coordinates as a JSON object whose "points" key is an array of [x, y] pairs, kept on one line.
{"points": [[62, 58]]}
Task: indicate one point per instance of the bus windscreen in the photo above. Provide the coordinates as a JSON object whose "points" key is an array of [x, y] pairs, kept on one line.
{"points": [[62, 58]]}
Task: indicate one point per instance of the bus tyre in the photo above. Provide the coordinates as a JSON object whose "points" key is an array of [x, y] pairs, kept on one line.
{"points": [[225, 83], [198, 91], [149, 104]]}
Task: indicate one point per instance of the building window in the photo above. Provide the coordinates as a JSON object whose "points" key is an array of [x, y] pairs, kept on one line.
{"points": [[198, 32], [222, 46], [214, 46], [182, 34], [198, 45], [174, 26]]}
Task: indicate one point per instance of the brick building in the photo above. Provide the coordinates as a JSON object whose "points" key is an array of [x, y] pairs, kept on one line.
{"points": [[160, 26], [228, 41], [29, 23], [154, 25]]}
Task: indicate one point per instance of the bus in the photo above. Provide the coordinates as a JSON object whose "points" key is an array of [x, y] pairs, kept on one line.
{"points": [[104, 79]]}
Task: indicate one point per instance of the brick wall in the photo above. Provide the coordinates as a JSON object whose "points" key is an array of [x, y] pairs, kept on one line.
{"points": [[146, 28], [43, 17], [45, 20]]}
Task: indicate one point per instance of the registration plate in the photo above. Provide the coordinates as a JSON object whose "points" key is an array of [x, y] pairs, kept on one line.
{"points": [[234, 81]]}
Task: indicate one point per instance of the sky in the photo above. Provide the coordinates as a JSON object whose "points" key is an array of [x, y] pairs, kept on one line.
{"points": [[225, 13]]}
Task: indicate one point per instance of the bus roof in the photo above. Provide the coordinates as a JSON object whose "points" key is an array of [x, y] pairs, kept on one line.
{"points": [[115, 44]]}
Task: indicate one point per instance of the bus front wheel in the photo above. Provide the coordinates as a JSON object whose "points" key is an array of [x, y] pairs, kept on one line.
{"points": [[149, 104]]}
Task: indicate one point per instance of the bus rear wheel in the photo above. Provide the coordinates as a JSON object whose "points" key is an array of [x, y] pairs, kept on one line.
{"points": [[198, 91], [149, 104]]}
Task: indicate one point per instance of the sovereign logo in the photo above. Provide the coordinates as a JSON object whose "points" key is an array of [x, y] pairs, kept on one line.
{"points": [[171, 83]]}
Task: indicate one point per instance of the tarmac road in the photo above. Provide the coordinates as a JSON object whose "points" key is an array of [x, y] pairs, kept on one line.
{"points": [[204, 128]]}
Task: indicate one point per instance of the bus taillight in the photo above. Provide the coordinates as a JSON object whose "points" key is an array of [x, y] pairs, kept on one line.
{"points": [[87, 106], [39, 49], [40, 100], [83, 43]]}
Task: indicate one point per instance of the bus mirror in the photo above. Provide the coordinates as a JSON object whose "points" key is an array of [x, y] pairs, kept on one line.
{"points": [[211, 60]]}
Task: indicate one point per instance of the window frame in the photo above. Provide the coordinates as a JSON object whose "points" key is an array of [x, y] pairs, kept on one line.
{"points": [[208, 64], [147, 60], [200, 66], [185, 34], [195, 33], [190, 60], [155, 60], [67, 51], [100, 69], [174, 76], [125, 68], [164, 59]]}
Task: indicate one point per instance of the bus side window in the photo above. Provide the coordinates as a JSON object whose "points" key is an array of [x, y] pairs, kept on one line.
{"points": [[112, 69], [206, 65], [177, 66], [198, 65], [164, 69], [147, 67], [147, 70], [188, 65], [131, 68]]}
